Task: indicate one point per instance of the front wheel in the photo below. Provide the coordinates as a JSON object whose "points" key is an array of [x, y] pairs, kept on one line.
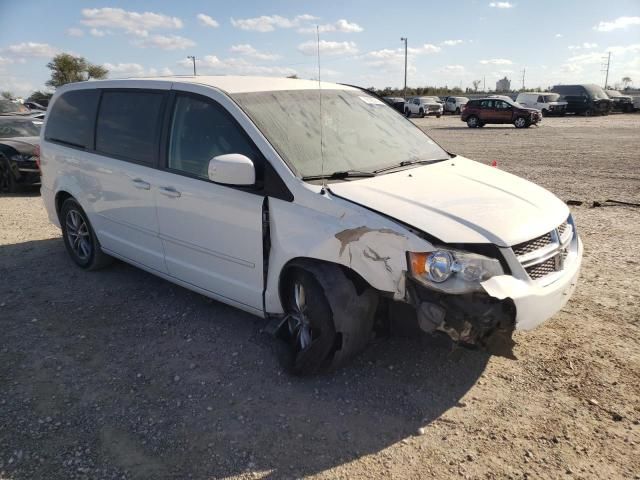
{"points": [[521, 122], [407, 113], [79, 238], [457, 111], [7, 180], [472, 122], [309, 330], [421, 113]]}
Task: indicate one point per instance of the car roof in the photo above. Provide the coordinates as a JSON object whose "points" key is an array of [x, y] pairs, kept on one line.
{"points": [[228, 83]]}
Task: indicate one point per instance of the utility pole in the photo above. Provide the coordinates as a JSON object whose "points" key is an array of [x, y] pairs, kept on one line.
{"points": [[193, 59], [404, 39], [524, 70], [484, 84], [606, 69]]}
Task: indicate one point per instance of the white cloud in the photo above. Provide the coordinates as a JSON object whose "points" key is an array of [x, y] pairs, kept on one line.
{"points": [[164, 42], [75, 32], [207, 21], [328, 48], [5, 61], [249, 51], [17, 86], [501, 5], [97, 33], [585, 45], [426, 48], [559, 35], [451, 43], [132, 22], [32, 49], [268, 23], [618, 23], [496, 61], [391, 59], [127, 70], [341, 25], [452, 69], [238, 66]]}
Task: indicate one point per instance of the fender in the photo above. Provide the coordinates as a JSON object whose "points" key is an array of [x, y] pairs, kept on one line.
{"points": [[346, 234]]}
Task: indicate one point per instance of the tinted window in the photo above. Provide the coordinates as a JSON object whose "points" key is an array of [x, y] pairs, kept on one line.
{"points": [[202, 129], [72, 117], [128, 125], [486, 103]]}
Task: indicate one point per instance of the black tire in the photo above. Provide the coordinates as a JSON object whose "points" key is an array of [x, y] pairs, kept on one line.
{"points": [[407, 113], [339, 319], [80, 239], [521, 122], [438, 116], [588, 113], [480, 124], [457, 111], [473, 121], [8, 182], [421, 113], [545, 112], [308, 331]]}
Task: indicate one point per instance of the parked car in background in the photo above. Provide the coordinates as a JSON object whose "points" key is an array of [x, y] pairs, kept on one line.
{"points": [[34, 106], [621, 103], [321, 243], [396, 102], [547, 103], [9, 107], [423, 106], [19, 137], [479, 112], [455, 104], [585, 99]]}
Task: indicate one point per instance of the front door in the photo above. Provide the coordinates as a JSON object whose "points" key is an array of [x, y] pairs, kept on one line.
{"points": [[503, 112], [212, 233]]}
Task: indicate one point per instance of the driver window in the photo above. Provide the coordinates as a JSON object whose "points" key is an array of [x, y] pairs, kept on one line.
{"points": [[200, 130], [541, 99], [500, 105]]}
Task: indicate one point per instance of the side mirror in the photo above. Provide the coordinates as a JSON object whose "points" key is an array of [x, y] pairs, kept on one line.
{"points": [[232, 169]]}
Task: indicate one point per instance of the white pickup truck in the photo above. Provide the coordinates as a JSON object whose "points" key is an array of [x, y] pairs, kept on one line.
{"points": [[423, 106]]}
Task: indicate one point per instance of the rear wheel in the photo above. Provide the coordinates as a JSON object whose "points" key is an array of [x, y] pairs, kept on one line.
{"points": [[421, 113], [521, 122], [79, 238], [472, 121]]}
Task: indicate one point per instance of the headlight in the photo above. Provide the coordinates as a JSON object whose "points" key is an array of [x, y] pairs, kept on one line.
{"points": [[453, 271], [22, 158]]}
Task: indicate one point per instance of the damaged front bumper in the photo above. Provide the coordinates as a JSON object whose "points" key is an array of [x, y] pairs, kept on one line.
{"points": [[488, 319]]}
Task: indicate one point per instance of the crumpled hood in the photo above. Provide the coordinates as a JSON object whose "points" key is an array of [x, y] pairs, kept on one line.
{"points": [[21, 144], [460, 201]]}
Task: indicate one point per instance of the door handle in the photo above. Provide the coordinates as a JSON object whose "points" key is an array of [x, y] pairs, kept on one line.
{"points": [[169, 192], [141, 184]]}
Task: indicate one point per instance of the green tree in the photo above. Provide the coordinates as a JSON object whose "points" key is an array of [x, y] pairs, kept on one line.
{"points": [[476, 84], [66, 68], [626, 81], [39, 96]]}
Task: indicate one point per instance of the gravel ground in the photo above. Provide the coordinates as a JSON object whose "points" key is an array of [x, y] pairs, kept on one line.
{"points": [[118, 374]]}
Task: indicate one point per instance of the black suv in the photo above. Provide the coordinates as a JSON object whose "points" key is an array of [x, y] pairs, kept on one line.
{"points": [[587, 99]]}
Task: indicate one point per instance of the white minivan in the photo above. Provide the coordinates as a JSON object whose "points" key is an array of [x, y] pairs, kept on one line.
{"points": [[548, 103], [325, 218]]}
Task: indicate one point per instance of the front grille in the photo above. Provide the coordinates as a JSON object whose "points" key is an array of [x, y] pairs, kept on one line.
{"points": [[547, 253], [532, 245], [542, 269]]}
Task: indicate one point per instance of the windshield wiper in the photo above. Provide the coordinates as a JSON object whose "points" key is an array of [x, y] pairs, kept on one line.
{"points": [[406, 163], [341, 174]]}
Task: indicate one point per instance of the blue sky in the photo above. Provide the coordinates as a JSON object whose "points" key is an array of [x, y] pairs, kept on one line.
{"points": [[450, 42]]}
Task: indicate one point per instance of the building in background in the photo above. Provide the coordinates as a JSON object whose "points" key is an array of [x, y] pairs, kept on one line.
{"points": [[503, 85]]}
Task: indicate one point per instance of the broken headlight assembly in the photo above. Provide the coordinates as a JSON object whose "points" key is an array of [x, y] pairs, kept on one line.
{"points": [[453, 271]]}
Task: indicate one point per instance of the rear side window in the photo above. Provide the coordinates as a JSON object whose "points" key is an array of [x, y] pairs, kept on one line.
{"points": [[129, 124], [72, 117]]}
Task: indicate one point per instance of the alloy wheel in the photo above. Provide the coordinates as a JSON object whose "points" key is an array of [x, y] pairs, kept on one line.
{"points": [[298, 321], [520, 122], [78, 235]]}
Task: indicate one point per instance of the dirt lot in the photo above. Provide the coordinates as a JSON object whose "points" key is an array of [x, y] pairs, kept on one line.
{"points": [[118, 374]]}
